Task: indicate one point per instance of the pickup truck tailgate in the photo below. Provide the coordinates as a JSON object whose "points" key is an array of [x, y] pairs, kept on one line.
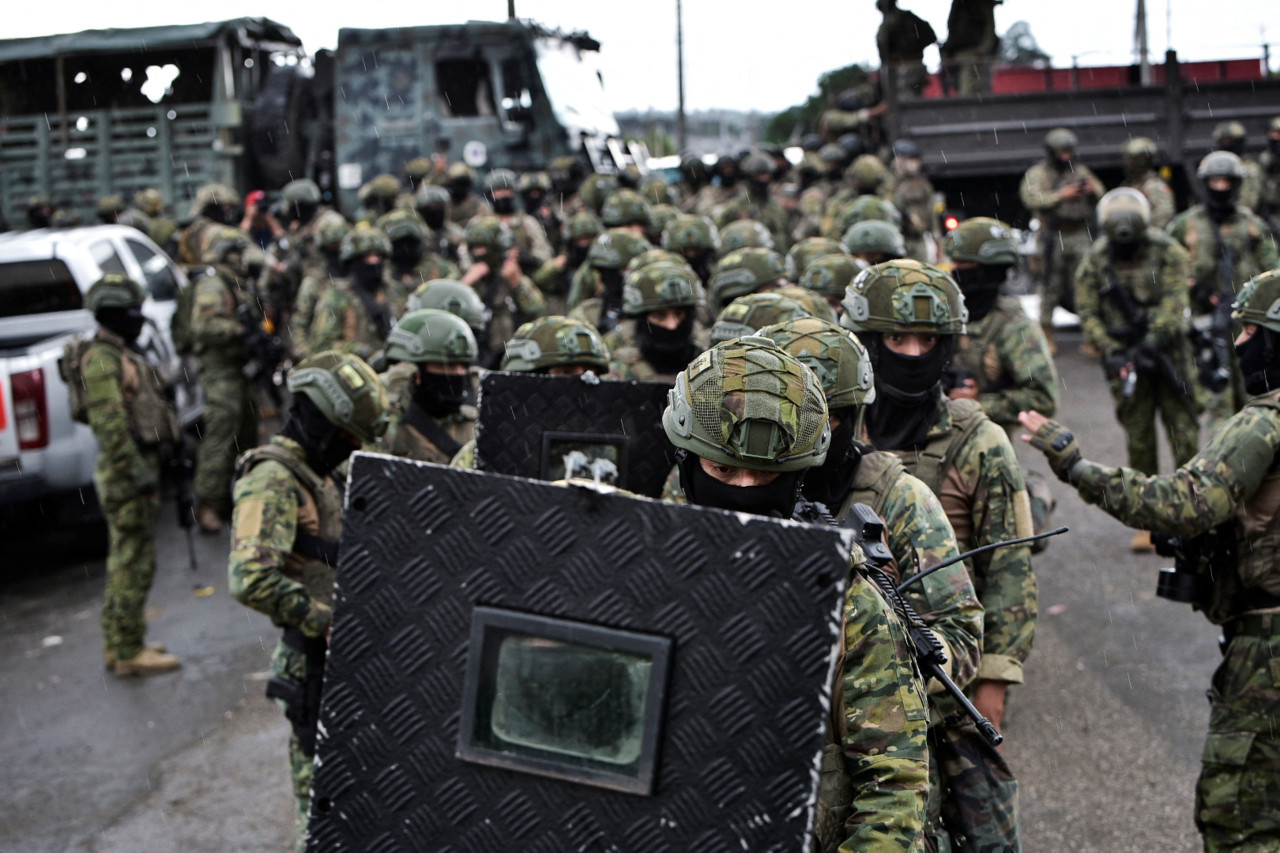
{"points": [[8, 433]]}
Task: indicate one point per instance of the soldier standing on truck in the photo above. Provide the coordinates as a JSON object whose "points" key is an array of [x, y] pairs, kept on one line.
{"points": [[1060, 193], [901, 40], [972, 45]]}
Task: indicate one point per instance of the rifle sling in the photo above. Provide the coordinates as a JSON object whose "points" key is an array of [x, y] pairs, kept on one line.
{"points": [[315, 547], [432, 431]]}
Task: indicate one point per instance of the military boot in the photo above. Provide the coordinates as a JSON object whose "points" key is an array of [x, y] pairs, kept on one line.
{"points": [[1047, 328], [109, 657], [207, 518], [146, 662], [1141, 543]]}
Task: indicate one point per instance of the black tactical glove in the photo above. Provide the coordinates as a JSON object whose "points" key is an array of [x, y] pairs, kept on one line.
{"points": [[1113, 364], [1059, 445]]}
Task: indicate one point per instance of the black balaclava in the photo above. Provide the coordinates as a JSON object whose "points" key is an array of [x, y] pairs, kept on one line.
{"points": [[611, 297], [367, 275], [729, 178], [458, 191], [577, 255], [333, 261], [406, 254], [759, 189], [778, 499], [38, 217], [433, 216], [321, 440], [533, 199], [907, 393], [1273, 146], [505, 205], [125, 322], [439, 394], [1124, 251], [1058, 164], [829, 483], [702, 263], [981, 287], [668, 350], [303, 211], [1221, 204], [1260, 362]]}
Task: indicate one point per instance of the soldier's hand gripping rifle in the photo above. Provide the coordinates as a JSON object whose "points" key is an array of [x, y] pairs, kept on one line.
{"points": [[1211, 335], [1142, 356]]}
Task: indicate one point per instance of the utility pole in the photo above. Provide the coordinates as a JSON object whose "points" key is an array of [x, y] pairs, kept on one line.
{"points": [[682, 131], [511, 10], [1140, 43]]}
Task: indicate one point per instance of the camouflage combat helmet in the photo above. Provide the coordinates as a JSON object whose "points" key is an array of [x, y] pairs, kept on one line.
{"points": [[624, 207], [531, 181], [65, 217], [656, 190], [459, 173], [756, 163], [1221, 164], [815, 303], [615, 248], [830, 275], [419, 167], [111, 204], [430, 335], [1140, 153], [875, 237], [744, 234], [345, 390], [224, 242], [491, 232], [835, 156], [693, 170], [835, 356], [136, 219], [364, 240], [690, 233], [867, 173], [114, 290], [654, 256], [384, 186], [1259, 301], [809, 250], [555, 342], [904, 296], [452, 296], [581, 226], [1228, 131], [1124, 214], [431, 195], [301, 191], [748, 404], [660, 216], [982, 240], [213, 195], [744, 271], [402, 225], [1060, 139], [907, 149], [595, 189], [500, 179], [332, 232], [149, 201], [744, 315], [868, 207], [659, 286]]}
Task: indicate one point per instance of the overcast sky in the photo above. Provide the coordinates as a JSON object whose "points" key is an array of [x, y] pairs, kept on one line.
{"points": [[761, 56]]}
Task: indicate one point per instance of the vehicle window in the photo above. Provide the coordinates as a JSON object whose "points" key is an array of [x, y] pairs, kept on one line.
{"points": [[464, 87], [161, 283], [105, 255], [516, 97], [37, 287]]}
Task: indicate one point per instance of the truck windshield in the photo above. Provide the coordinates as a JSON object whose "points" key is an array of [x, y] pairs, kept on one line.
{"points": [[37, 287], [573, 86]]}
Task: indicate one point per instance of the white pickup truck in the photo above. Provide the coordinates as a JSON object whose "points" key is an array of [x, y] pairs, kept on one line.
{"points": [[45, 456]]}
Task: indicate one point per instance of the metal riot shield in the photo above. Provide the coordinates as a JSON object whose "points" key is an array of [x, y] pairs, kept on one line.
{"points": [[548, 427], [520, 665]]}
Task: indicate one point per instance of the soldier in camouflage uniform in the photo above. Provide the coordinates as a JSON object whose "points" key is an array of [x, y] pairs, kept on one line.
{"points": [[1060, 193], [377, 197], [530, 238], [430, 352], [744, 315], [1230, 486], [411, 262], [745, 271], [163, 229], [747, 421], [596, 292], [1132, 294], [218, 341], [744, 234], [215, 206], [553, 278], [919, 535], [866, 181], [874, 241], [535, 199], [124, 401], [909, 315], [656, 341], [1140, 156], [1269, 199], [626, 209], [460, 181], [1231, 136], [316, 284], [288, 521], [913, 194], [444, 237], [495, 275], [901, 40], [828, 277], [358, 312], [755, 201]]}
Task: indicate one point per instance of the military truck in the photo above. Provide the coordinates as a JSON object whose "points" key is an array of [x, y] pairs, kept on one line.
{"points": [[976, 148], [239, 102]]}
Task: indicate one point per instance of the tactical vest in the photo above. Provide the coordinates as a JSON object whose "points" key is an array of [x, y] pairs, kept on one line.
{"points": [[152, 420], [641, 370], [931, 462], [1203, 239], [975, 353], [1259, 523], [319, 516], [876, 472]]}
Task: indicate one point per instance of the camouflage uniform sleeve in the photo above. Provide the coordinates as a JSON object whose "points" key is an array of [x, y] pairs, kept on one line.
{"points": [[1200, 495], [329, 324], [920, 537], [1162, 204], [529, 299], [549, 278], [1268, 255], [1033, 380], [466, 457], [1036, 190], [304, 308], [102, 373], [1004, 579], [210, 323], [1088, 286], [885, 721], [263, 526], [583, 286], [1168, 321], [539, 245]]}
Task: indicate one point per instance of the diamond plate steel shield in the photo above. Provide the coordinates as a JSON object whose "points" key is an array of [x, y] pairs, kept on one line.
{"points": [[721, 626], [537, 426]]}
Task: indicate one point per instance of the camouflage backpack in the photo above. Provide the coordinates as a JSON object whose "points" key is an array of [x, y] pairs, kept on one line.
{"points": [[185, 304], [69, 369]]}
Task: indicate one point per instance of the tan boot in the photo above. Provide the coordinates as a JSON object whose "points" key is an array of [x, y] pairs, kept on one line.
{"points": [[109, 657], [1088, 350], [207, 518], [1047, 328], [146, 662], [1141, 543]]}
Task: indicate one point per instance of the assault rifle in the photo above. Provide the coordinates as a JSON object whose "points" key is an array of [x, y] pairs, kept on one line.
{"points": [[1142, 356], [1211, 332]]}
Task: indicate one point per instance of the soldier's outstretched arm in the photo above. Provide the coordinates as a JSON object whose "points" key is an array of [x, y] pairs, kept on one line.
{"points": [[1035, 385], [885, 722], [1194, 499], [263, 527]]}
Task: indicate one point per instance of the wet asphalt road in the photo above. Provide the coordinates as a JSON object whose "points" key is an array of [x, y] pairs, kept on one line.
{"points": [[1105, 736]]}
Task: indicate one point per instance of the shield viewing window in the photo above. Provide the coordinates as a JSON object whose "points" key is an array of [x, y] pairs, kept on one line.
{"points": [[589, 456], [564, 699]]}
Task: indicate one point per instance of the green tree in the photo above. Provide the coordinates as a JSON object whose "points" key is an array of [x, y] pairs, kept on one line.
{"points": [[804, 117]]}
